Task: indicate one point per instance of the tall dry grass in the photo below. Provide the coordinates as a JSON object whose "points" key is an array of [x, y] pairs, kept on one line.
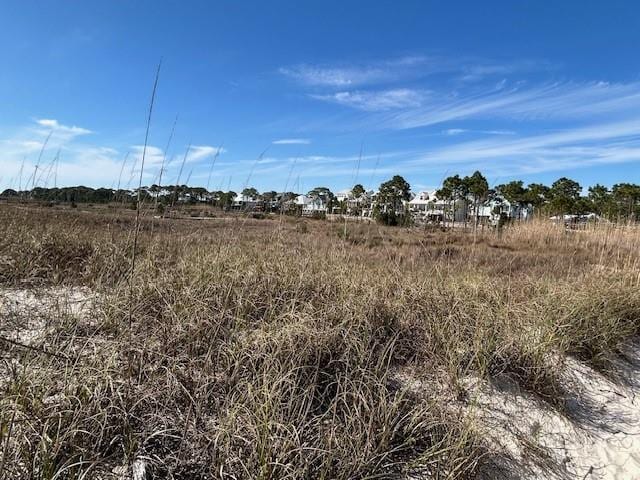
{"points": [[261, 349]]}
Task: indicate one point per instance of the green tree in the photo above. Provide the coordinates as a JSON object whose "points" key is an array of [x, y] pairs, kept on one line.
{"points": [[453, 190], [250, 192], [537, 195], [478, 188], [358, 190], [564, 193], [9, 192], [226, 199], [444, 193], [394, 191], [601, 200], [390, 197], [324, 194], [627, 196], [288, 196], [268, 198], [514, 192], [216, 198]]}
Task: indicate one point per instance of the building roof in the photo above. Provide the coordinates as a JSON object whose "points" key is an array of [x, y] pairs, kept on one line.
{"points": [[244, 199], [424, 197]]}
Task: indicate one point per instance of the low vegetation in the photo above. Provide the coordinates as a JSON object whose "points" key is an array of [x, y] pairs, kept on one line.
{"points": [[288, 348]]}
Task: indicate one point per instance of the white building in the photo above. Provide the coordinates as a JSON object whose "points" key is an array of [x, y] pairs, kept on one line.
{"points": [[423, 201], [360, 205], [344, 195], [498, 206], [426, 205], [244, 202], [310, 205]]}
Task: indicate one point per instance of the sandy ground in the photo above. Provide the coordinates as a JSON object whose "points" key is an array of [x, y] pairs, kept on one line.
{"points": [[596, 437], [26, 313]]}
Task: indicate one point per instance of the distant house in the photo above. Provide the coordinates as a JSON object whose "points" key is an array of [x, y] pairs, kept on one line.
{"points": [[163, 192], [355, 205], [184, 197], [245, 202], [423, 201], [497, 206], [344, 195], [426, 206], [310, 205], [573, 219]]}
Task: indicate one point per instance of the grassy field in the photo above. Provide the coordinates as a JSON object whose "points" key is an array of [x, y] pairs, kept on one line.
{"points": [[288, 348]]}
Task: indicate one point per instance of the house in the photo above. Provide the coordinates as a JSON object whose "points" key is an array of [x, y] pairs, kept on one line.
{"points": [[498, 206], [245, 202], [310, 205], [355, 205], [153, 192], [574, 219], [426, 206], [344, 195], [422, 201]]}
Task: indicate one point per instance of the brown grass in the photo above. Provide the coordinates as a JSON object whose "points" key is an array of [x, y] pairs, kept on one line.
{"points": [[273, 348]]}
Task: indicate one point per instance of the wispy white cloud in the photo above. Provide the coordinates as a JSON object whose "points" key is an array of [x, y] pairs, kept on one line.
{"points": [[471, 71], [336, 76], [499, 132], [454, 131], [498, 155], [372, 101], [201, 152], [409, 67], [467, 88], [524, 103], [458, 131], [60, 130], [78, 162], [357, 74], [292, 141], [615, 142]]}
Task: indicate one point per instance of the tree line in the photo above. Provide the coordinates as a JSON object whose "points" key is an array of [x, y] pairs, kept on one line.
{"points": [[564, 196], [621, 202]]}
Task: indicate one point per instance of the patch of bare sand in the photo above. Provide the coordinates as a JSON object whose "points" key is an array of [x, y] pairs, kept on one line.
{"points": [[595, 437], [26, 314], [28, 319]]}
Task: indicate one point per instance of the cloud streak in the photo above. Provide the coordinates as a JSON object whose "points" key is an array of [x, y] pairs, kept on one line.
{"points": [[604, 143], [335, 76], [373, 101], [557, 101], [410, 67], [62, 131], [292, 141]]}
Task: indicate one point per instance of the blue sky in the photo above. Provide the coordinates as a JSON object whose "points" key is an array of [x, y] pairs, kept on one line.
{"points": [[299, 94]]}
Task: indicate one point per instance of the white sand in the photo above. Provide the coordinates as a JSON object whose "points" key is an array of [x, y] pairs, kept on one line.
{"points": [[26, 313], [598, 438]]}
